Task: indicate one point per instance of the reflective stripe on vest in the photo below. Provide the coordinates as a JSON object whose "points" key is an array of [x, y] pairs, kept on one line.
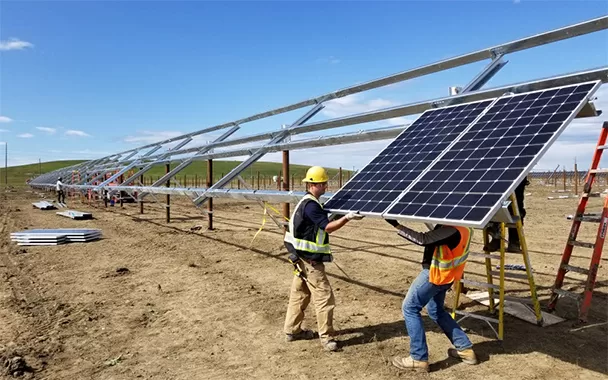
{"points": [[304, 245], [448, 264]]}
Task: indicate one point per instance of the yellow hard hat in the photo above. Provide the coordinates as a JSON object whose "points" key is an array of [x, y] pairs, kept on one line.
{"points": [[316, 174]]}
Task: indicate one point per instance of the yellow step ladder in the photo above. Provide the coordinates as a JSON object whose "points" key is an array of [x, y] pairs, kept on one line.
{"points": [[499, 304]]}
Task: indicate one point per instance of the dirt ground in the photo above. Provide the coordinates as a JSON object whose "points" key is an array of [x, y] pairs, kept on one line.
{"points": [[211, 304]]}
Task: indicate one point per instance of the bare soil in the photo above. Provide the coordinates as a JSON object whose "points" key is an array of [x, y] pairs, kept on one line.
{"points": [[153, 300]]}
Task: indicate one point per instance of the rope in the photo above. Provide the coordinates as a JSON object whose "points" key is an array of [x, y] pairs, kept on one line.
{"points": [[266, 207]]}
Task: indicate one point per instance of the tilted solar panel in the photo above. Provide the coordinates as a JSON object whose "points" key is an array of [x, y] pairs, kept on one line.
{"points": [[383, 180], [468, 183]]}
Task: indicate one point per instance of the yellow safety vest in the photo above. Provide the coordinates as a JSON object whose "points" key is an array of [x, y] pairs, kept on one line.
{"points": [[319, 244]]}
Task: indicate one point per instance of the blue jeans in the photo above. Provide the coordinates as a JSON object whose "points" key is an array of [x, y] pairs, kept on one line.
{"points": [[422, 293]]}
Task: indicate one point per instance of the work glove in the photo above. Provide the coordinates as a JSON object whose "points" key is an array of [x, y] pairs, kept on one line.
{"points": [[392, 222], [354, 215]]}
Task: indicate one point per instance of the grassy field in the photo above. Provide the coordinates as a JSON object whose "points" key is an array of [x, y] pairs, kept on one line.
{"points": [[18, 175]]}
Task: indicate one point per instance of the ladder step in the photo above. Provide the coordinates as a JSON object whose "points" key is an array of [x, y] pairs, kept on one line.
{"points": [[565, 293], [594, 171], [591, 195], [602, 147], [527, 301], [595, 218], [581, 244], [475, 316], [571, 268], [480, 284], [484, 255], [510, 275]]}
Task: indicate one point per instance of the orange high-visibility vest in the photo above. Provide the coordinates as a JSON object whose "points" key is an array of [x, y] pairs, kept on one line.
{"points": [[447, 264]]}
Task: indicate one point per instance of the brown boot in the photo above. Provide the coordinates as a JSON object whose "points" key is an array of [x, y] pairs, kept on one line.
{"points": [[410, 364], [330, 345], [467, 356], [302, 335]]}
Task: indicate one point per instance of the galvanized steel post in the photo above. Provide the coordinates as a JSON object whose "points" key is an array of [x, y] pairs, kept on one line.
{"points": [[285, 180], [210, 203], [141, 201], [168, 184]]}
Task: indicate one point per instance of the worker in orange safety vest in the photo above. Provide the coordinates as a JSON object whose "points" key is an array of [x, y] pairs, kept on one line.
{"points": [[446, 249]]}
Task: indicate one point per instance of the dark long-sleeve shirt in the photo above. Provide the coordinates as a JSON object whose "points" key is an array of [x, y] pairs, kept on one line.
{"points": [[443, 235]]}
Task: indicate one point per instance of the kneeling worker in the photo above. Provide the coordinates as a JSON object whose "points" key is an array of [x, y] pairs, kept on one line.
{"points": [[446, 249], [308, 243]]}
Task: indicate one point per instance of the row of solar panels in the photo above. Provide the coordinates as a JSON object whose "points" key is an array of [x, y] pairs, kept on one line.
{"points": [[456, 165]]}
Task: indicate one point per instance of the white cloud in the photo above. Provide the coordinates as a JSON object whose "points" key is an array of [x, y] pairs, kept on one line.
{"points": [[2, 143], [72, 132], [5, 119], [149, 137], [89, 152], [356, 103], [3, 130], [48, 130], [25, 135], [14, 44]]}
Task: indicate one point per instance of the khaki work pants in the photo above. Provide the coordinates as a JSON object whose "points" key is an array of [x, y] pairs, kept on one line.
{"points": [[322, 298]]}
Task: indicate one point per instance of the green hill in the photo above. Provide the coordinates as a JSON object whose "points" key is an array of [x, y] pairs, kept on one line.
{"points": [[192, 175]]}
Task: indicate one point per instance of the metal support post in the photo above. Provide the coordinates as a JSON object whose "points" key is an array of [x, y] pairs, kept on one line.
{"points": [[141, 201], [210, 204], [167, 177], [167, 170], [121, 201], [259, 153], [286, 184]]}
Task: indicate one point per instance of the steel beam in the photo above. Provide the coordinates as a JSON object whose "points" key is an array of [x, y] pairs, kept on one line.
{"points": [[137, 163], [260, 152], [189, 161], [408, 109]]}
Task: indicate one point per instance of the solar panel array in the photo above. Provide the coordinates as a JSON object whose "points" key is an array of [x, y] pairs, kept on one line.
{"points": [[467, 180], [375, 187]]}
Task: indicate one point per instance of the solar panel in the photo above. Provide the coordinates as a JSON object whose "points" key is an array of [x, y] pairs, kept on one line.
{"points": [[468, 183], [381, 181]]}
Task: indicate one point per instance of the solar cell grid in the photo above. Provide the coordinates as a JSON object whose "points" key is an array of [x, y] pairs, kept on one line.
{"points": [[379, 183], [480, 170]]}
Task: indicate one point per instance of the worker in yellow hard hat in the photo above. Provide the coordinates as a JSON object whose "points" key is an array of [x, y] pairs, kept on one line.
{"points": [[308, 243]]}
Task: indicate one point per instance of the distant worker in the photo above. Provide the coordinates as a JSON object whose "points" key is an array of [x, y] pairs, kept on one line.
{"points": [[514, 244], [446, 249], [308, 243], [60, 193]]}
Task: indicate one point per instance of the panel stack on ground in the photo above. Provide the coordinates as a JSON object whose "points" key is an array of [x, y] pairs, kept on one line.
{"points": [[44, 205], [78, 215], [55, 236]]}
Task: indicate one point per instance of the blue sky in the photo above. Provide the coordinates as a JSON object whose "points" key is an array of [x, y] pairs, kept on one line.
{"points": [[85, 79]]}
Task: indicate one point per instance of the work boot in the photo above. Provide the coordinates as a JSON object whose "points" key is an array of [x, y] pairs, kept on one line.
{"points": [[467, 355], [302, 335], [410, 364], [330, 345], [493, 245], [514, 247], [514, 244]]}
